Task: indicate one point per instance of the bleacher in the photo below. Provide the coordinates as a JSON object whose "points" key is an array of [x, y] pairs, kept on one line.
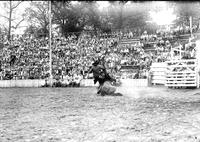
{"points": [[148, 46], [129, 41]]}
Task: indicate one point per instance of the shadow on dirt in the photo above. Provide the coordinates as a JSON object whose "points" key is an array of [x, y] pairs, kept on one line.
{"points": [[114, 94]]}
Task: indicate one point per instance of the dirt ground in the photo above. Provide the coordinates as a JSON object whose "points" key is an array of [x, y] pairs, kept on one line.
{"points": [[155, 114]]}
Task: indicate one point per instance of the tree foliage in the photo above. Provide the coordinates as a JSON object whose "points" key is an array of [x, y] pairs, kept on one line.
{"points": [[10, 8], [85, 15], [67, 17], [132, 15], [76, 18], [186, 9], [38, 16]]}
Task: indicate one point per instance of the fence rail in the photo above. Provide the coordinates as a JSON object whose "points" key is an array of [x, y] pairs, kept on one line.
{"points": [[182, 73], [84, 83], [158, 73]]}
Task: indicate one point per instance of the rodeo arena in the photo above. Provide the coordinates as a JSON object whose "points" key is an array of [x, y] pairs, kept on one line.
{"points": [[119, 86]]}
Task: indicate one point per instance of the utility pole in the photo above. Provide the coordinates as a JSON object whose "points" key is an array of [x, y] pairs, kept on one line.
{"points": [[50, 50], [190, 26]]}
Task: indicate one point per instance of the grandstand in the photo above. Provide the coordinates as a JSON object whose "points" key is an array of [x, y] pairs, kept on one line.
{"points": [[27, 58]]}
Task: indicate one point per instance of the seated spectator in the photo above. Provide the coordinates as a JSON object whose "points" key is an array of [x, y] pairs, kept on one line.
{"points": [[66, 80], [77, 79]]}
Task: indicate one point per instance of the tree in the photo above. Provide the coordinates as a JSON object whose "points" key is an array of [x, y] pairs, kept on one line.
{"points": [[38, 16], [32, 30], [76, 17], [131, 15], [186, 9], [10, 8], [67, 17], [92, 13], [117, 14]]}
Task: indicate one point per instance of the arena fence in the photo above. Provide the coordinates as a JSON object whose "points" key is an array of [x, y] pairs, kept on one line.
{"points": [[182, 73], [87, 82], [158, 73], [83, 83], [22, 83], [125, 82], [135, 82]]}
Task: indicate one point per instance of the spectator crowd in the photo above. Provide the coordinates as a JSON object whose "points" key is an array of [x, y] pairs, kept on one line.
{"points": [[28, 58]]}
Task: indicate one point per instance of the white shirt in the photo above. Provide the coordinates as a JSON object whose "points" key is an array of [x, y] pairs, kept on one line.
{"points": [[77, 78]]}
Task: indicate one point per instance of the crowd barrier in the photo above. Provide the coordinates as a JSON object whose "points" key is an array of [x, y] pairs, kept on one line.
{"points": [[83, 83], [88, 82], [125, 82], [134, 82], [21, 83]]}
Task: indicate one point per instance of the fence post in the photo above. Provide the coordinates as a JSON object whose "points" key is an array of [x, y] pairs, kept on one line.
{"points": [[197, 73], [50, 50]]}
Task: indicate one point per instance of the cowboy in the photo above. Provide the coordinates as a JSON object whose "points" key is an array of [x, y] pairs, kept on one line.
{"points": [[103, 78], [95, 69]]}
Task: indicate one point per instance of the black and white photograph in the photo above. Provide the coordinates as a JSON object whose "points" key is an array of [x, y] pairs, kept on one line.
{"points": [[99, 71]]}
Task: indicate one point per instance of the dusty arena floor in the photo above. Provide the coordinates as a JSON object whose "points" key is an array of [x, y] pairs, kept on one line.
{"points": [[77, 115]]}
